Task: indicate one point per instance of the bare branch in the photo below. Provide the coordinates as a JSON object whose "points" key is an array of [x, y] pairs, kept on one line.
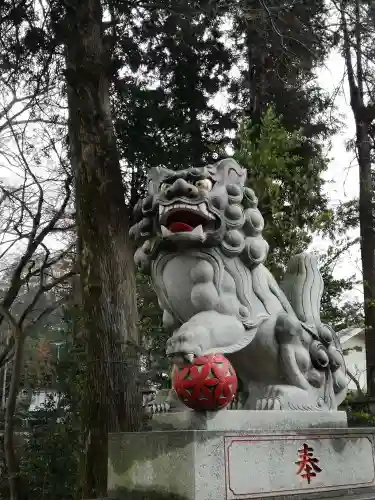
{"points": [[42, 289], [7, 352], [46, 312], [34, 242], [356, 382], [339, 252]]}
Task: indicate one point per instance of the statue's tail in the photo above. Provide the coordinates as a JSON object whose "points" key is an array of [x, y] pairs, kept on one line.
{"points": [[303, 286]]}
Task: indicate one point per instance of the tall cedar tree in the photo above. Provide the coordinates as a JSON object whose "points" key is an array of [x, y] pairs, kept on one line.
{"points": [[173, 62], [111, 400], [357, 21], [281, 44]]}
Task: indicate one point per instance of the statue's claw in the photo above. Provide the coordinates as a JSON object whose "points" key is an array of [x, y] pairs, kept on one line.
{"points": [[190, 358], [181, 359], [153, 408], [270, 400], [186, 343]]}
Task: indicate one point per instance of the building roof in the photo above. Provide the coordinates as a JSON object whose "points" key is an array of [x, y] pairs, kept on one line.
{"points": [[349, 333]]}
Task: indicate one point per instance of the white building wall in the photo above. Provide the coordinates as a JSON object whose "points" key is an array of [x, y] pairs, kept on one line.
{"points": [[355, 359], [38, 399]]}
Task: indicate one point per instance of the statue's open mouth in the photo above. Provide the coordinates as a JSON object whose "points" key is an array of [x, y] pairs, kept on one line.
{"points": [[183, 218]]}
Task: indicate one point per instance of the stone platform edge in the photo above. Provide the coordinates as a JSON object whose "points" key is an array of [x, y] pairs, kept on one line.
{"points": [[248, 420]]}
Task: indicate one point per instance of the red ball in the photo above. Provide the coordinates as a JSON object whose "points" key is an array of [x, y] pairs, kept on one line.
{"points": [[210, 383]]}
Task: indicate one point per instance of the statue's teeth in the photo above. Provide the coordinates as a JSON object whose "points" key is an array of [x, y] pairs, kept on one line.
{"points": [[198, 230], [165, 231], [203, 208]]}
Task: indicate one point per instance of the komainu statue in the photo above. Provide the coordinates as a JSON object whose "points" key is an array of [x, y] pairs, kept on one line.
{"points": [[200, 236]]}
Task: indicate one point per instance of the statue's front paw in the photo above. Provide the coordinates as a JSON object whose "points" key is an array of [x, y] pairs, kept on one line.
{"points": [[186, 343]]}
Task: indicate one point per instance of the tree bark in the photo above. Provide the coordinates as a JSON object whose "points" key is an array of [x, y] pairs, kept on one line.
{"points": [[366, 222], [256, 79], [362, 116], [112, 399]]}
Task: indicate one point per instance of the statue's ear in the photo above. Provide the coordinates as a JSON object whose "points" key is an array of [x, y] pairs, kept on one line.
{"points": [[228, 171], [156, 176]]}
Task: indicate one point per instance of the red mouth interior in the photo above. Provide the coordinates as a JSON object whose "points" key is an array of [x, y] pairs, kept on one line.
{"points": [[184, 221], [180, 227]]}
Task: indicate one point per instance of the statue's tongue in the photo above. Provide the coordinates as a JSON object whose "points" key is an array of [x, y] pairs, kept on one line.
{"points": [[179, 227]]}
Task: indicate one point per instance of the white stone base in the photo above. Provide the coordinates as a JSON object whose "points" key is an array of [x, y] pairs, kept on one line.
{"points": [[238, 465]]}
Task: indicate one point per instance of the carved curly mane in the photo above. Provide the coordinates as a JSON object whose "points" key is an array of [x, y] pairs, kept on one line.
{"points": [[243, 221]]}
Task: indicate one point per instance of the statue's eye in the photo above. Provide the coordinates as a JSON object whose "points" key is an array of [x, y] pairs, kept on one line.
{"points": [[205, 184], [163, 187]]}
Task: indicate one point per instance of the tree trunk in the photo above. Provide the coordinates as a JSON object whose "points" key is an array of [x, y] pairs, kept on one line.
{"points": [[255, 78], [11, 460], [366, 222], [112, 400], [363, 116]]}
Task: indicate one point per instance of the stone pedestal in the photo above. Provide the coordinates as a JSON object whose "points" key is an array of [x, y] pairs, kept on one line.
{"points": [[236, 455]]}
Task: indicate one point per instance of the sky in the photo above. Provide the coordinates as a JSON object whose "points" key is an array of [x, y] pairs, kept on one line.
{"points": [[343, 169], [342, 174]]}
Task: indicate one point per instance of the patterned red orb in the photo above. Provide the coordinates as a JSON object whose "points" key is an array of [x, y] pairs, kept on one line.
{"points": [[210, 383]]}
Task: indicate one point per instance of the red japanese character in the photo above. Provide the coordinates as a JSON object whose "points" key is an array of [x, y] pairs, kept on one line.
{"points": [[308, 464]]}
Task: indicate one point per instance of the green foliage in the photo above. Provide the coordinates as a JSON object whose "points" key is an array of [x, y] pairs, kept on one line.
{"points": [[155, 364], [172, 60], [359, 410], [334, 311], [361, 419], [50, 455], [49, 462], [282, 46], [169, 62], [290, 193], [39, 364], [343, 218], [172, 64], [294, 208]]}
